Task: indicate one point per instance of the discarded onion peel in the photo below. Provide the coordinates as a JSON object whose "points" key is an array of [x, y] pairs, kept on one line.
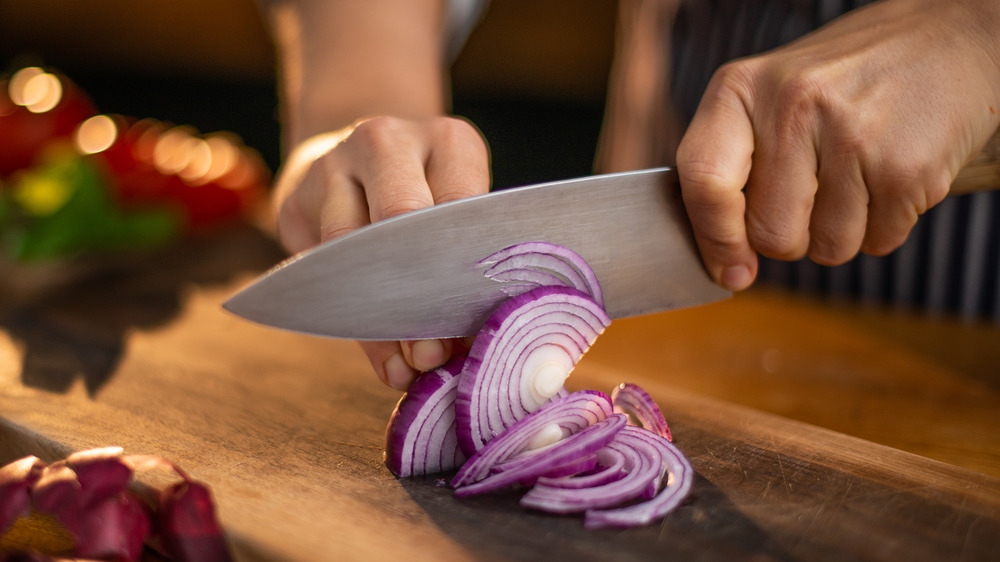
{"points": [[89, 494]]}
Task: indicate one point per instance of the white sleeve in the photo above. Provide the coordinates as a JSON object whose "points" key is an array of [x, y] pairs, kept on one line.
{"points": [[461, 17]]}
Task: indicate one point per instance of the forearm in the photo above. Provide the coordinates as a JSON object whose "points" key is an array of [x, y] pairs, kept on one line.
{"points": [[343, 60]]}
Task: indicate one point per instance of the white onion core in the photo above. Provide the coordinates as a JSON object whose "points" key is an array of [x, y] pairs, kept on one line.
{"points": [[546, 436], [547, 369]]}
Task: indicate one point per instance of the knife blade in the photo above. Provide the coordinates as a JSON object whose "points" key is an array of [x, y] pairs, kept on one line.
{"points": [[416, 276]]}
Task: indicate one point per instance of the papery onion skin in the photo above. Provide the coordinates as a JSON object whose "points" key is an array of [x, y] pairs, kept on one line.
{"points": [[88, 493], [16, 479], [114, 528], [427, 409], [188, 526], [102, 473], [490, 394], [633, 400]]}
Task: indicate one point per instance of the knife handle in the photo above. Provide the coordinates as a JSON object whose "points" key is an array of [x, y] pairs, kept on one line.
{"points": [[983, 172]]}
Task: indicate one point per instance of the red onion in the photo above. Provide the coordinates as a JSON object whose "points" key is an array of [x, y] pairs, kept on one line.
{"points": [[532, 465], [680, 479], [609, 466], [506, 407], [88, 493], [565, 416], [188, 526], [420, 436], [521, 358], [631, 399], [643, 472], [16, 479], [534, 264]]}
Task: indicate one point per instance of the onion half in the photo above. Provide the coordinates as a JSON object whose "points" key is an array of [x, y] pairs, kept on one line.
{"points": [[521, 358], [420, 437]]}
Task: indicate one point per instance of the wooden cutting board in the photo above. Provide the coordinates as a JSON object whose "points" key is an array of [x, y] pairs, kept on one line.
{"points": [[288, 432]]}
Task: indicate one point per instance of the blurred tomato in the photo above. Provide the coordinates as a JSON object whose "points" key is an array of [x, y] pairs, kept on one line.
{"points": [[27, 128], [207, 180]]}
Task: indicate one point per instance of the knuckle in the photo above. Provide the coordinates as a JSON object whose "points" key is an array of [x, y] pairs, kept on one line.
{"points": [[885, 243], [702, 182], [455, 130], [828, 252], [394, 202], [378, 133], [734, 77], [776, 240], [334, 230]]}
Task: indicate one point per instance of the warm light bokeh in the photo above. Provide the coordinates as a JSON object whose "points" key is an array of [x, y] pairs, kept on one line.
{"points": [[35, 89], [95, 134]]}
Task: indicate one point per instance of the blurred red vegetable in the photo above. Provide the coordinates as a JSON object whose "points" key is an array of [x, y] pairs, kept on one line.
{"points": [[88, 494], [28, 124]]}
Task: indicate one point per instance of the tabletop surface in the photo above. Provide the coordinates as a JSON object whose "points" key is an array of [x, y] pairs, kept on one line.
{"points": [[818, 431]]}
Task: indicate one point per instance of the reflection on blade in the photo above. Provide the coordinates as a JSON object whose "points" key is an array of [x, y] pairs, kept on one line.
{"points": [[418, 275]]}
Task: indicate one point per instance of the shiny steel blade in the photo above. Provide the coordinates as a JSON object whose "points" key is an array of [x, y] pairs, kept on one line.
{"points": [[417, 276]]}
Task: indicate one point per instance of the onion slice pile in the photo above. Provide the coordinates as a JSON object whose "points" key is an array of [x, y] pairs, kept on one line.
{"points": [[503, 416], [680, 477], [420, 437], [559, 419]]}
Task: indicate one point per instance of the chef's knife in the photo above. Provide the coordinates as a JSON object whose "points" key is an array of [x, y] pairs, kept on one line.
{"points": [[417, 276]]}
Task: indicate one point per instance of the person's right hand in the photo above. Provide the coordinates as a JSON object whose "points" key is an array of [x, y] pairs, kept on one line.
{"points": [[375, 169]]}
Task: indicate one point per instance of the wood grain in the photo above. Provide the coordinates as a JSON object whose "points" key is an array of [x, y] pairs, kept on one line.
{"points": [[288, 431]]}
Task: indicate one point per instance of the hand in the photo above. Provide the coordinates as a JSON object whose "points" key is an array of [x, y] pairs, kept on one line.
{"points": [[841, 139], [373, 170]]}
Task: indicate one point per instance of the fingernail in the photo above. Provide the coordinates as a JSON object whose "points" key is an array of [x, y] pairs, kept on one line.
{"points": [[398, 374], [736, 277], [428, 354]]}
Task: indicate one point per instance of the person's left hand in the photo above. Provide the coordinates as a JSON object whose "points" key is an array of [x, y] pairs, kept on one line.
{"points": [[836, 143]]}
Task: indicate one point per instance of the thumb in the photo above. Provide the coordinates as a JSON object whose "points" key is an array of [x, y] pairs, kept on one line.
{"points": [[713, 161]]}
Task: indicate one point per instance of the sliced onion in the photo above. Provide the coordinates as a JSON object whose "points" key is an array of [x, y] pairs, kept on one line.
{"points": [[508, 411], [610, 466], [420, 436], [530, 466], [677, 488], [643, 467], [569, 414], [536, 264], [633, 400], [521, 358]]}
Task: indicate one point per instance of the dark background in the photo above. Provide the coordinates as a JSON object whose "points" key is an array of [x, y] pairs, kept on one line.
{"points": [[532, 75]]}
